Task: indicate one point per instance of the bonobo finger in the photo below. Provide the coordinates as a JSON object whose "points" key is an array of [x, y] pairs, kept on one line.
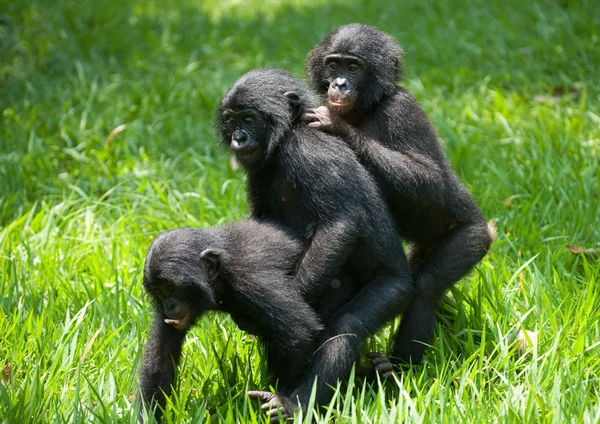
{"points": [[384, 367], [316, 124], [272, 405], [261, 396], [384, 370], [275, 419], [309, 117], [381, 364], [275, 412], [380, 360], [373, 355]]}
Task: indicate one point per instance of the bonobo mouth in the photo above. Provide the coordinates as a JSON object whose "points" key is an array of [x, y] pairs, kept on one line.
{"points": [[247, 154], [341, 104], [181, 323], [244, 150]]}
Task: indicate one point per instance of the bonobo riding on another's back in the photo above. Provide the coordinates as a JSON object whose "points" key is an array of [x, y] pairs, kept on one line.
{"points": [[356, 67]]}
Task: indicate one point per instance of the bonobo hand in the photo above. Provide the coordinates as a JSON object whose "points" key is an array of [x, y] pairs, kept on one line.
{"points": [[324, 119], [274, 405]]}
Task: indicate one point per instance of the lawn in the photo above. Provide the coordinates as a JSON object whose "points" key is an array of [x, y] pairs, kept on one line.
{"points": [[106, 140]]}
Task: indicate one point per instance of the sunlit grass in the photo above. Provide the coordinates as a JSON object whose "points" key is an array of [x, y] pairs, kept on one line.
{"points": [[106, 140]]}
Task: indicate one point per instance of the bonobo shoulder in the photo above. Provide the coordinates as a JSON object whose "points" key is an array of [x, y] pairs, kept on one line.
{"points": [[400, 97], [322, 163], [317, 153], [311, 141], [400, 117]]}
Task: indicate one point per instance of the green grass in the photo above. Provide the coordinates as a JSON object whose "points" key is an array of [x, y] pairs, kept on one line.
{"points": [[512, 88]]}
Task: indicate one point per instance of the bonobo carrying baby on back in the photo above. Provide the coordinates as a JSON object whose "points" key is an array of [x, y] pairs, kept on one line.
{"points": [[355, 68]]}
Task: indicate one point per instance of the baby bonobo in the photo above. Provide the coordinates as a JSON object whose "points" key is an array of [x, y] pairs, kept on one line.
{"points": [[356, 68], [314, 187], [244, 269]]}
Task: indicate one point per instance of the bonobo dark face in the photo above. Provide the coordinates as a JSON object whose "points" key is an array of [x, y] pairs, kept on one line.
{"points": [[357, 66], [246, 130], [345, 74], [170, 298], [180, 274], [256, 113]]}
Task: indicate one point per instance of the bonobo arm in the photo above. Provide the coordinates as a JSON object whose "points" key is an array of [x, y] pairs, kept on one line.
{"points": [[407, 170], [283, 314], [161, 356]]}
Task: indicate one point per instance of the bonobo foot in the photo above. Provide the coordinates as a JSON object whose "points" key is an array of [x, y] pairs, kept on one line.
{"points": [[274, 406], [381, 365]]}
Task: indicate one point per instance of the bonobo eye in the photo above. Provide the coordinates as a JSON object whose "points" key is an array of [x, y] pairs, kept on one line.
{"points": [[249, 120], [354, 68], [332, 66], [169, 288]]}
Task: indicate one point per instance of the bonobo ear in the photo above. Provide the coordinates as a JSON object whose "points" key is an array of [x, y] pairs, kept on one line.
{"points": [[295, 104], [211, 259]]}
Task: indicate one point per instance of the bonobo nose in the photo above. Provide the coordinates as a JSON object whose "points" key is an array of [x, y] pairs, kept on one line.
{"points": [[340, 85], [240, 136], [170, 306], [238, 139]]}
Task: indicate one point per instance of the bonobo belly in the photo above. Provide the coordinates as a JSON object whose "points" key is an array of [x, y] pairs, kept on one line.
{"points": [[241, 316], [247, 323], [284, 204]]}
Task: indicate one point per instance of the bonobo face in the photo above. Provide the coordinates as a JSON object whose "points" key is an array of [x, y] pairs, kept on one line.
{"points": [[173, 301], [180, 274], [345, 74], [246, 130]]}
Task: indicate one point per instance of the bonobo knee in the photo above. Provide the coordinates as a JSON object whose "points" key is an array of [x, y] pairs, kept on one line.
{"points": [[479, 236], [486, 235]]}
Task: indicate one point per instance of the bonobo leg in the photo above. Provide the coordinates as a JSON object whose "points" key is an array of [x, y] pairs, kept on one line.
{"points": [[434, 272], [161, 357], [377, 303]]}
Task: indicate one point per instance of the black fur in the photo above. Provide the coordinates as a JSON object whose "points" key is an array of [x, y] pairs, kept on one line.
{"points": [[396, 142], [316, 189], [245, 270]]}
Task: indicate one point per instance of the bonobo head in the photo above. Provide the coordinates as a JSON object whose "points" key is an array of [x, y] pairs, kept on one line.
{"points": [[356, 65], [180, 272], [257, 111]]}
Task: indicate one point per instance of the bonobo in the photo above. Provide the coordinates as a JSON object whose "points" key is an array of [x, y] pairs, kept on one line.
{"points": [[355, 67], [244, 269], [313, 185]]}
